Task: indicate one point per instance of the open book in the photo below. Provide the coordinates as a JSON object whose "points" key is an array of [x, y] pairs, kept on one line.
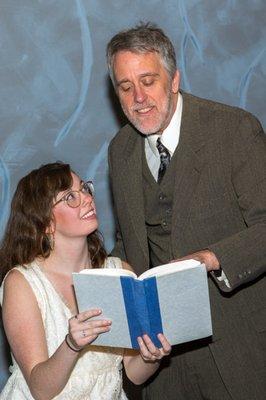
{"points": [[172, 299]]}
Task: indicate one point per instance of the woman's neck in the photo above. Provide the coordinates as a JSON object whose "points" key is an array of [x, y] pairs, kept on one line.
{"points": [[68, 258]]}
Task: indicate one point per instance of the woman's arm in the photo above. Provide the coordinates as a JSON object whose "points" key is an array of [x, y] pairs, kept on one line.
{"points": [[141, 365], [46, 377]]}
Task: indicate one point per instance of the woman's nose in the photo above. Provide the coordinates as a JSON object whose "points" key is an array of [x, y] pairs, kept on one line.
{"points": [[86, 198]]}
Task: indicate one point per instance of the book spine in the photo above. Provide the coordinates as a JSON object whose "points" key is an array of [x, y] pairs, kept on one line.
{"points": [[128, 289], [142, 309], [153, 307]]}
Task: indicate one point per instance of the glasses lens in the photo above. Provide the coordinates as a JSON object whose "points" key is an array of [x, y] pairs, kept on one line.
{"points": [[73, 199], [88, 188]]}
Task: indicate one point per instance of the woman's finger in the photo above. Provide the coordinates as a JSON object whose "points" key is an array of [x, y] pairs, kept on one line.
{"points": [[94, 331], [146, 354], [95, 323], [143, 349], [150, 345], [166, 346], [83, 316]]}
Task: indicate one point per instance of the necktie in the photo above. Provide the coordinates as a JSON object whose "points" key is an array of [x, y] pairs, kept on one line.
{"points": [[165, 159]]}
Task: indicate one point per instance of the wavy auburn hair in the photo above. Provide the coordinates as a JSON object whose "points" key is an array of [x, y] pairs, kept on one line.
{"points": [[31, 213]]}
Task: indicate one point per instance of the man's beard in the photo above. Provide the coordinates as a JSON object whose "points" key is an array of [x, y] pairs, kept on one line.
{"points": [[163, 118]]}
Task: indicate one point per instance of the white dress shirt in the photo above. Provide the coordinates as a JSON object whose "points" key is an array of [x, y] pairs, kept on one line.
{"points": [[169, 138]]}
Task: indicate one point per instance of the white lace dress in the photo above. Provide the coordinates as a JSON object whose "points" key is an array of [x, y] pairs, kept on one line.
{"points": [[97, 373]]}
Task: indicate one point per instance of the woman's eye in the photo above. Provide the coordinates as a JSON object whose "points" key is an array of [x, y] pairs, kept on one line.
{"points": [[85, 189], [70, 196]]}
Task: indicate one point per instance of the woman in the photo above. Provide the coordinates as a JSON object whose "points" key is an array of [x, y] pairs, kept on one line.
{"points": [[52, 232]]}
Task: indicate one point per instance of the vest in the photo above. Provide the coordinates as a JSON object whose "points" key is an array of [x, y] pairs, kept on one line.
{"points": [[158, 200]]}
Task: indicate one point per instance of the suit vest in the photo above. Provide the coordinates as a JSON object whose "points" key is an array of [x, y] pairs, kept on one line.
{"points": [[158, 201]]}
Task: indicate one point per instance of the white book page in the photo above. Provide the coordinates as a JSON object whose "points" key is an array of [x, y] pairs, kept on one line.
{"points": [[169, 268], [107, 272]]}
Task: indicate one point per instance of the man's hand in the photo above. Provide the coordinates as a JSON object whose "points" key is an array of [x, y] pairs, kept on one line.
{"points": [[204, 256]]}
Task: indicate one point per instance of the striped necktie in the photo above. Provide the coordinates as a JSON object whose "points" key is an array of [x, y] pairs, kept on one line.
{"points": [[165, 159]]}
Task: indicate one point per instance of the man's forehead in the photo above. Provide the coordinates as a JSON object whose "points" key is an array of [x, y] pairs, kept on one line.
{"points": [[149, 54], [141, 63]]}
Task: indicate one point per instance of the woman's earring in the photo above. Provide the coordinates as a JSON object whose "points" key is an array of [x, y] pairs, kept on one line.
{"points": [[51, 241]]}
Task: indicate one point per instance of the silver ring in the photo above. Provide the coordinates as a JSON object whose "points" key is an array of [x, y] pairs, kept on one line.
{"points": [[84, 334]]}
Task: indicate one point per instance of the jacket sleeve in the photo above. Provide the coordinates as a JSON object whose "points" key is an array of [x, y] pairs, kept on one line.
{"points": [[242, 256]]}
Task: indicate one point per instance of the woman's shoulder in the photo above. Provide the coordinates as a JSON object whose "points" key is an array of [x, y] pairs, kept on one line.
{"points": [[14, 276], [18, 275], [15, 282]]}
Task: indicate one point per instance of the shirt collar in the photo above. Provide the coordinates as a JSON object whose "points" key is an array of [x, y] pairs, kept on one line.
{"points": [[170, 136]]}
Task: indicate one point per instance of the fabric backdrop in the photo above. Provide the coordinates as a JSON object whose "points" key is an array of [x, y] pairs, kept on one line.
{"points": [[56, 98]]}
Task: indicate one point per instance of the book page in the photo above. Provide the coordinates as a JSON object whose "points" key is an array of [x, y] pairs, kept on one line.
{"points": [[107, 272], [169, 268]]}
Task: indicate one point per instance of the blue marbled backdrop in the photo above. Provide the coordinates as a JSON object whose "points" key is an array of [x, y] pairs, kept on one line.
{"points": [[56, 102]]}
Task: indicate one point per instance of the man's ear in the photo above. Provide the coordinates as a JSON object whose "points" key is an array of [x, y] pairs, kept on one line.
{"points": [[176, 82]]}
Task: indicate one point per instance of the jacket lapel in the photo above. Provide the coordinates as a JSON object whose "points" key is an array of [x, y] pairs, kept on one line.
{"points": [[133, 189], [189, 165]]}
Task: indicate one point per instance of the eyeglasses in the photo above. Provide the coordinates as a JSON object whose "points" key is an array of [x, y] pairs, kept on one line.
{"points": [[73, 197]]}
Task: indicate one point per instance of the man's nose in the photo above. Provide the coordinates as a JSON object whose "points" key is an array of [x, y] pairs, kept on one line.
{"points": [[139, 94]]}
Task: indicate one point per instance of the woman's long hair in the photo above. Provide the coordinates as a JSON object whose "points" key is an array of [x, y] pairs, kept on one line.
{"points": [[31, 213]]}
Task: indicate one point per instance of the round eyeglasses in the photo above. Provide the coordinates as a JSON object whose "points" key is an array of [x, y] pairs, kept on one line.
{"points": [[73, 197]]}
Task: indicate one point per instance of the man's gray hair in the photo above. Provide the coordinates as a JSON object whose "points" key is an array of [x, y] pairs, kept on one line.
{"points": [[144, 38]]}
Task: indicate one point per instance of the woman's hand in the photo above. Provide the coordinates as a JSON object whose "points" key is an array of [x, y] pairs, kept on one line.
{"points": [[149, 352], [83, 331]]}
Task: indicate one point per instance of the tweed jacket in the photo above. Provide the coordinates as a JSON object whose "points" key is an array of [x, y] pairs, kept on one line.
{"points": [[219, 203]]}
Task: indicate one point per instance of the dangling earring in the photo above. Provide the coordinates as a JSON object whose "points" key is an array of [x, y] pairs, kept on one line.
{"points": [[51, 240], [47, 244]]}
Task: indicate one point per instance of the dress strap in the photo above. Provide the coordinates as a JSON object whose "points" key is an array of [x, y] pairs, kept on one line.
{"points": [[113, 262]]}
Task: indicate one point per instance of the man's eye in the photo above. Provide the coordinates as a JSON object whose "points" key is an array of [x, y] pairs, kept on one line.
{"points": [[148, 82], [125, 88]]}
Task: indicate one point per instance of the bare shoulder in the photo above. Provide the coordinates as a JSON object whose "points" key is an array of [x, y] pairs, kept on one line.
{"points": [[15, 279], [17, 292]]}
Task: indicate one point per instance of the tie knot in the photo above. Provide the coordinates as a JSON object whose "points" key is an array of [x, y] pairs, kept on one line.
{"points": [[161, 148]]}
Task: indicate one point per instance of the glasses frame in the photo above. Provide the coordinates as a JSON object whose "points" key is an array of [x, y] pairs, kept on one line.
{"points": [[90, 192]]}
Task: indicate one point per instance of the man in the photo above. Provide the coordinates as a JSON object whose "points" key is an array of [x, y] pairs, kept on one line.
{"points": [[200, 192]]}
